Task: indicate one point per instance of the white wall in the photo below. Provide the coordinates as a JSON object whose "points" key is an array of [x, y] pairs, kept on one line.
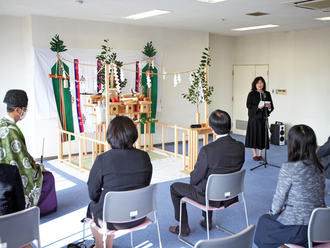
{"points": [[13, 67], [222, 51], [298, 62], [181, 49]]}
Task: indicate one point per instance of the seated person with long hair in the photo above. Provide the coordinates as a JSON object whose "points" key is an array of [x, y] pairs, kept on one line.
{"points": [[120, 169], [300, 189]]}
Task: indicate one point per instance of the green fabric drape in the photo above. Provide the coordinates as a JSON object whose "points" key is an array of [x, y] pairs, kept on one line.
{"points": [[63, 98], [152, 96]]}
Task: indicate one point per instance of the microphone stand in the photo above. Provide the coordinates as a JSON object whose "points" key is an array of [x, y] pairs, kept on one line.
{"points": [[265, 163]]}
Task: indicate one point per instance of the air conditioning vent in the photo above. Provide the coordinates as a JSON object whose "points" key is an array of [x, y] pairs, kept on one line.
{"points": [[310, 4]]}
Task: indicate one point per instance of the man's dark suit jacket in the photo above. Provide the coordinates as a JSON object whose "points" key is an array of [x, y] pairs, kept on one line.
{"points": [[117, 170], [324, 155], [223, 156]]}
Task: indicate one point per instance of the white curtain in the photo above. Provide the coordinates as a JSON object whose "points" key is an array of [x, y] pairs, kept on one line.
{"points": [[44, 59]]}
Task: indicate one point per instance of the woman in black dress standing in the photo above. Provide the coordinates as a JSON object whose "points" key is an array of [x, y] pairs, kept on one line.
{"points": [[255, 133]]}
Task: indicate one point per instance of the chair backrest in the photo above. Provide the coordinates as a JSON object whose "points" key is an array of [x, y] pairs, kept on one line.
{"points": [[124, 206], [243, 239], [224, 186], [319, 225], [20, 228]]}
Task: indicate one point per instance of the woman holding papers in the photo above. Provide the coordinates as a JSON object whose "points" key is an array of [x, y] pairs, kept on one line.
{"points": [[260, 105]]}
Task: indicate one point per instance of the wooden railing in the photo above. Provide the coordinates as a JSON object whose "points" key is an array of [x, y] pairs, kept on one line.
{"points": [[189, 135], [82, 141]]}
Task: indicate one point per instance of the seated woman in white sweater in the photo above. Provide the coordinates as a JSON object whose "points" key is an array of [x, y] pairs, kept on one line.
{"points": [[300, 189]]}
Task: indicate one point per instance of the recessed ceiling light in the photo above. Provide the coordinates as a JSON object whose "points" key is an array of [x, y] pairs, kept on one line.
{"points": [[211, 1], [323, 18], [79, 1], [221, 20], [148, 14], [256, 27]]}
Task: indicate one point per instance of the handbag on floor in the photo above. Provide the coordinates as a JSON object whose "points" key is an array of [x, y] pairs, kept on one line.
{"points": [[80, 244]]}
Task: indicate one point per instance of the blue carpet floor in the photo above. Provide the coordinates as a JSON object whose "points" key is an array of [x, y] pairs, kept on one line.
{"points": [[260, 185]]}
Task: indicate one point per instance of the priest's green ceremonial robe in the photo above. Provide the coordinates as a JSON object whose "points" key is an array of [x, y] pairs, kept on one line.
{"points": [[13, 151]]}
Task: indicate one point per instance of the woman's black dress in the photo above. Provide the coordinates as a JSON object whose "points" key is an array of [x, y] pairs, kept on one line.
{"points": [[117, 170], [255, 133]]}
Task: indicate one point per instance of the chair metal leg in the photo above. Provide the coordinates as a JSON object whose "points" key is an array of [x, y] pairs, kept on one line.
{"points": [[104, 234], [84, 223], [246, 216], [207, 221], [219, 227], [132, 240], [179, 237], [156, 220]]}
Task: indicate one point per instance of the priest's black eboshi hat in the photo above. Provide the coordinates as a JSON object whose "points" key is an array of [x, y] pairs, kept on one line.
{"points": [[16, 98]]}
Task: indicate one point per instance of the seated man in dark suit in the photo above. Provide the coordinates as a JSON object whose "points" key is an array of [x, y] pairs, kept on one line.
{"points": [[225, 155]]}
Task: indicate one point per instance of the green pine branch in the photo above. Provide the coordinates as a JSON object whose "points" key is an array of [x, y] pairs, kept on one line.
{"points": [[149, 50], [144, 120], [57, 45]]}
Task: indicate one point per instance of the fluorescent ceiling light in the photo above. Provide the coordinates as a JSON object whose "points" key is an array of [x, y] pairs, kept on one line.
{"points": [[323, 18], [211, 1], [148, 14], [256, 27]]}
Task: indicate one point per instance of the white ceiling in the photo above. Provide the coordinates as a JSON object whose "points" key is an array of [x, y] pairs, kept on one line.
{"points": [[187, 14]]}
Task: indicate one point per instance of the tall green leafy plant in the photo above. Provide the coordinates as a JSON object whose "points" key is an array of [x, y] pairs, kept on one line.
{"points": [[199, 91]]}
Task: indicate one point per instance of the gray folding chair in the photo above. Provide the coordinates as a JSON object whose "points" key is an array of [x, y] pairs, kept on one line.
{"points": [[243, 239], [318, 229], [20, 228], [125, 206], [219, 187]]}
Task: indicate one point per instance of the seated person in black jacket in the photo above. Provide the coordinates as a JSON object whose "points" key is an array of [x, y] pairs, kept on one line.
{"points": [[224, 155], [324, 155], [120, 169], [11, 191]]}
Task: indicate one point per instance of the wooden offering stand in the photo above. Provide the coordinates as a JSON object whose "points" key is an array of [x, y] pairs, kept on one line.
{"points": [[127, 105], [193, 140], [124, 106]]}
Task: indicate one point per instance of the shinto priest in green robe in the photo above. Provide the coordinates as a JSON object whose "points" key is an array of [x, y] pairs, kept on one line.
{"points": [[13, 151]]}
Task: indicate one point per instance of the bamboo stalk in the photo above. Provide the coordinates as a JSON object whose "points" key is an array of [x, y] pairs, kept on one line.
{"points": [[145, 137], [206, 105], [107, 100], [184, 150], [176, 140], [139, 135], [60, 145], [163, 137], [69, 153], [81, 161]]}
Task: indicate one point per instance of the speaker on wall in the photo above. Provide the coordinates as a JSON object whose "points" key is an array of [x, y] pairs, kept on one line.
{"points": [[277, 131]]}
